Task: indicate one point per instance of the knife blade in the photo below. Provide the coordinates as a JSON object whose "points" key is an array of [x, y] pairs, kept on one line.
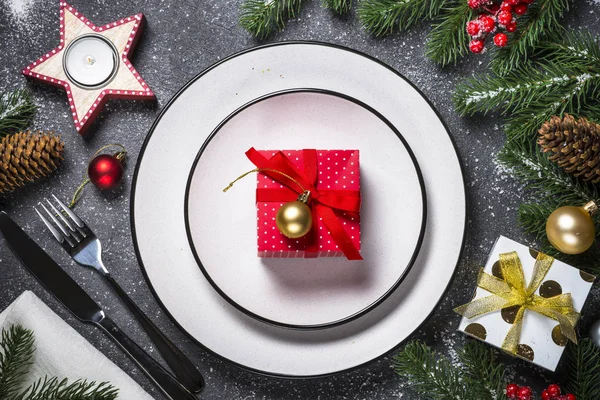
{"points": [[49, 273], [73, 297]]}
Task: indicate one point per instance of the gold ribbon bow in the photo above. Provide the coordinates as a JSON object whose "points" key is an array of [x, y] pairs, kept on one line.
{"points": [[512, 291]]}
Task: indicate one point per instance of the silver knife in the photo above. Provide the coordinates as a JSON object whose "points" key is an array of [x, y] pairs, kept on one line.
{"points": [[74, 298]]}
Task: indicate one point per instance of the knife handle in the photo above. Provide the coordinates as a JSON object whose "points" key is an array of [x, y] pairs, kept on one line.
{"points": [[157, 374], [183, 368]]}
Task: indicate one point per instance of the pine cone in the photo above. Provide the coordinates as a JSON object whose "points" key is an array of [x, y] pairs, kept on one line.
{"points": [[25, 157], [574, 144]]}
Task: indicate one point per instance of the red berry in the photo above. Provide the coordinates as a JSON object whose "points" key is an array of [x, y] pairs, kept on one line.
{"points": [[529, 1], [506, 6], [520, 9], [525, 393], [514, 2], [473, 27], [511, 27], [571, 396], [474, 4], [504, 17], [545, 395], [553, 390], [487, 23], [476, 46], [511, 390], [500, 39]]}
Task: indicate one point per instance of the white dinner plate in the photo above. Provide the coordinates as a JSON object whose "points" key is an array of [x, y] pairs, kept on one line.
{"points": [[158, 197], [305, 293]]}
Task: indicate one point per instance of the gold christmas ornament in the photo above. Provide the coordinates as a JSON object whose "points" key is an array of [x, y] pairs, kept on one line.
{"points": [[294, 218], [570, 229]]}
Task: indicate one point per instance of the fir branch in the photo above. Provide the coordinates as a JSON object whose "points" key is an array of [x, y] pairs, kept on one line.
{"points": [[583, 370], [564, 79], [16, 352], [262, 17], [481, 365], [541, 22], [16, 111], [448, 40], [434, 376], [53, 389], [532, 167], [339, 6], [382, 17]]}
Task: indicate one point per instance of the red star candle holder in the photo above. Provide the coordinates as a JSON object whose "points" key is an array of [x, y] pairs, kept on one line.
{"points": [[92, 64]]}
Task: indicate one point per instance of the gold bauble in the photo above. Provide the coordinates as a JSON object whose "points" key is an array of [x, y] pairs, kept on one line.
{"points": [[571, 229], [294, 219]]}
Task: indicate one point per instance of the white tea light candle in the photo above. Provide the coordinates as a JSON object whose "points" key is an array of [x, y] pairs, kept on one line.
{"points": [[90, 61]]}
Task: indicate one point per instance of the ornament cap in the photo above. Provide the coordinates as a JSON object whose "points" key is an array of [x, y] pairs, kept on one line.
{"points": [[591, 207], [304, 196]]}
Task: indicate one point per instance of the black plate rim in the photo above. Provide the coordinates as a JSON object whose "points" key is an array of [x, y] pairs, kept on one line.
{"points": [[369, 307], [132, 208]]}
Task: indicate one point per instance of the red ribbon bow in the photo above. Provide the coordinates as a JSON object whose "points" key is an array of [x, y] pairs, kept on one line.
{"points": [[323, 201]]}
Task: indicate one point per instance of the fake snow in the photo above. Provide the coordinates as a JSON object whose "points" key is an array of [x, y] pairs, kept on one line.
{"points": [[20, 9]]}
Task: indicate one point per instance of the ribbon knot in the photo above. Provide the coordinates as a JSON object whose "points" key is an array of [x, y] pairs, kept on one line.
{"points": [[512, 291], [323, 201]]}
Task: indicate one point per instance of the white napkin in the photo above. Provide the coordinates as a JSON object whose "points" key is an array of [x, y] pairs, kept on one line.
{"points": [[62, 352]]}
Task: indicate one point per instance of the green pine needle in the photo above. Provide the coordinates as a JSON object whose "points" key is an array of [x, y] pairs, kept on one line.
{"points": [[382, 17], [532, 167], [16, 352], [53, 389], [449, 40], [16, 111], [433, 376], [480, 364], [565, 78], [583, 370], [541, 22], [341, 7], [262, 17]]}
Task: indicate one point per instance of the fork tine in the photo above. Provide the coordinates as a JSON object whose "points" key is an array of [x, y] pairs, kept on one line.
{"points": [[55, 232], [70, 213], [58, 224], [60, 215]]}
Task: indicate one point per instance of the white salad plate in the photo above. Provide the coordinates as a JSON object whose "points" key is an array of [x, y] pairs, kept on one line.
{"points": [[305, 293], [158, 205]]}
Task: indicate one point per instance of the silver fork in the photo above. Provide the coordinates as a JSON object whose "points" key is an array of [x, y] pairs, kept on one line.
{"points": [[85, 248]]}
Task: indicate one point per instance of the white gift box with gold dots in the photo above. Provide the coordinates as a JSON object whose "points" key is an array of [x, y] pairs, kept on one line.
{"points": [[541, 340]]}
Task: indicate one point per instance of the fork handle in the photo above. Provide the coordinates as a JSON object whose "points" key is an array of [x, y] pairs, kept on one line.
{"points": [[163, 379], [183, 368]]}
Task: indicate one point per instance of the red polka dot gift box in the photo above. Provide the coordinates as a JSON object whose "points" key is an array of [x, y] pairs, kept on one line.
{"points": [[526, 303], [333, 179]]}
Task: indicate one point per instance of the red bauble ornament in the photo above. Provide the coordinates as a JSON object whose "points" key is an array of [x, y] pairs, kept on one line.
{"points": [[473, 28], [553, 390], [500, 39], [524, 393], [106, 171], [476, 46], [520, 9], [511, 390], [504, 17]]}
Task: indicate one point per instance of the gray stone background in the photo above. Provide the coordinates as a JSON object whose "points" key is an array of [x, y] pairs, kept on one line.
{"points": [[181, 39]]}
